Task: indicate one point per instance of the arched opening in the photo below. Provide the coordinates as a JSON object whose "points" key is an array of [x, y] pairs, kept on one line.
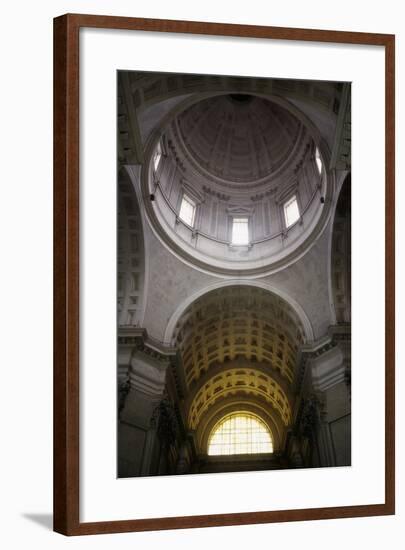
{"points": [[238, 346], [240, 433]]}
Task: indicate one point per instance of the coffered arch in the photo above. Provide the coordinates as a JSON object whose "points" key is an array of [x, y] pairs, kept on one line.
{"points": [[238, 342], [247, 382], [234, 322]]}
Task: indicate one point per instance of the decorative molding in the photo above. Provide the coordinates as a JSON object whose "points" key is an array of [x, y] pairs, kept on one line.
{"points": [[175, 156], [261, 196], [138, 339], [310, 413], [240, 211], [333, 372], [147, 378], [165, 422], [215, 193], [239, 381], [193, 193], [123, 391]]}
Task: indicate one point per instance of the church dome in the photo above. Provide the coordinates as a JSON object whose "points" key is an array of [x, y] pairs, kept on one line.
{"points": [[237, 184]]}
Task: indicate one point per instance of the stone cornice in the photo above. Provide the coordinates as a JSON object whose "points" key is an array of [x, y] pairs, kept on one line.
{"points": [[336, 336], [139, 340]]}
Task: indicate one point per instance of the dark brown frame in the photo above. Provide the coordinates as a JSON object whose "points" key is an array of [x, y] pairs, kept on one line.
{"points": [[66, 273]]}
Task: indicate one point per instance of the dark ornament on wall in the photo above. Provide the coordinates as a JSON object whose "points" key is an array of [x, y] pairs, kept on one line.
{"points": [[309, 417], [165, 421], [123, 390]]}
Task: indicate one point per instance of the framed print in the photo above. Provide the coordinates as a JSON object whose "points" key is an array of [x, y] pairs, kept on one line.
{"points": [[224, 337]]}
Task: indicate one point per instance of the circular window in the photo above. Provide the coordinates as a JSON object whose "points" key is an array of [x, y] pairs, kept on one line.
{"points": [[240, 433]]}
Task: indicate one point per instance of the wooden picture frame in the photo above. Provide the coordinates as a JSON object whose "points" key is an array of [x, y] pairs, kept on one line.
{"points": [[67, 284]]}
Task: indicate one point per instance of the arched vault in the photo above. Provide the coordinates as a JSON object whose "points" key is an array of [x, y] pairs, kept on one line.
{"points": [[239, 342]]}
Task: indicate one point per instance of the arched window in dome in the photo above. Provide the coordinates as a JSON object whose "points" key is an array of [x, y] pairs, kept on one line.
{"points": [[157, 156], [240, 433], [318, 161], [187, 210], [291, 211]]}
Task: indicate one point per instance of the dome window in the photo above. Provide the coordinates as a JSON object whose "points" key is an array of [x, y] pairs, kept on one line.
{"points": [[291, 211], [240, 231], [240, 433], [157, 157], [187, 210], [318, 160]]}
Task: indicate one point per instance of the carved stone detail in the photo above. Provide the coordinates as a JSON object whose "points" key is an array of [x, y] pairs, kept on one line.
{"points": [[165, 422], [123, 391]]}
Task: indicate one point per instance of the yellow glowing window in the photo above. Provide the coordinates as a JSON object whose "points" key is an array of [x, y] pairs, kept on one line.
{"points": [[240, 433]]}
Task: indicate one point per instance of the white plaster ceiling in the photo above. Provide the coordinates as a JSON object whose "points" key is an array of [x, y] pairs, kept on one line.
{"points": [[238, 138]]}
